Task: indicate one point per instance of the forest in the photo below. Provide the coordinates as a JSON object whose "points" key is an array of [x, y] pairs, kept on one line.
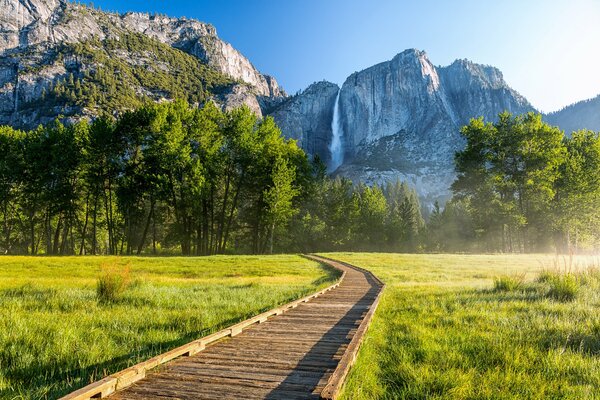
{"points": [[171, 178]]}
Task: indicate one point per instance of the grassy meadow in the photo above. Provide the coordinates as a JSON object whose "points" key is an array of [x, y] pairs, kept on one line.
{"points": [[57, 334], [480, 327]]}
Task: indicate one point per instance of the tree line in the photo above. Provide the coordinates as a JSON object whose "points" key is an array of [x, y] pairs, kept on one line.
{"points": [[171, 178], [522, 186], [175, 179]]}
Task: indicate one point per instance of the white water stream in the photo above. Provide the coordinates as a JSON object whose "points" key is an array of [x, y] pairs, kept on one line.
{"points": [[335, 147]]}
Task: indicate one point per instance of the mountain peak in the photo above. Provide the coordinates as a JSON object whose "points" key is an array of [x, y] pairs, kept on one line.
{"points": [[485, 74], [411, 56]]}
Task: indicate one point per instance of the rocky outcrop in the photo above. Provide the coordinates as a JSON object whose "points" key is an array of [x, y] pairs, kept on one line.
{"points": [[402, 96], [26, 22], [238, 95], [307, 117], [223, 57], [475, 90]]}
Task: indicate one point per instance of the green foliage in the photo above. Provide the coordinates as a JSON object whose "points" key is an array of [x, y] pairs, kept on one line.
{"points": [[336, 215], [173, 177], [440, 333], [526, 187], [577, 203], [118, 74], [112, 283], [167, 175], [563, 287]]}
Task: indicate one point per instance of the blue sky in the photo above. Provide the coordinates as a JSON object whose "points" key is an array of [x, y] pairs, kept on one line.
{"points": [[549, 50]]}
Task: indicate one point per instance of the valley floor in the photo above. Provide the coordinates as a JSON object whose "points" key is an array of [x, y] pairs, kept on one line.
{"points": [[451, 327], [447, 326], [56, 336]]}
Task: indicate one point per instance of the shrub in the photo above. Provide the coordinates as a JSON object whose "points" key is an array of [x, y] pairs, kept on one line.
{"points": [[508, 283], [112, 283], [563, 287]]}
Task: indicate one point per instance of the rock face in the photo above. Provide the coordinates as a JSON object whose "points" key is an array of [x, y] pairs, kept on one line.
{"points": [[33, 31], [582, 115], [475, 90], [307, 117], [400, 119]]}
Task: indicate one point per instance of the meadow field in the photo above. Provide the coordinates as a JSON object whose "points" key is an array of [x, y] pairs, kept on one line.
{"points": [[60, 331], [480, 327]]}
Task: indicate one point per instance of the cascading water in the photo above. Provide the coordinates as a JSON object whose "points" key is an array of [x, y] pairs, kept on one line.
{"points": [[335, 147]]}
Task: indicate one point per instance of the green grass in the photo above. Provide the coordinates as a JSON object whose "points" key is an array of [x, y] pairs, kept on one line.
{"points": [[58, 333], [444, 330]]}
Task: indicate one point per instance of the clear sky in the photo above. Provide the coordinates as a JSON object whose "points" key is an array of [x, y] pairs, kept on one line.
{"points": [[549, 51]]}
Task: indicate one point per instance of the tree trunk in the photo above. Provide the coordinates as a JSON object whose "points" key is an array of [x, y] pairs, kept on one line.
{"points": [[95, 225], [85, 224], [146, 227], [153, 235], [65, 235], [212, 221], [112, 245], [48, 229], [57, 235], [32, 232], [231, 213], [271, 238], [221, 222]]}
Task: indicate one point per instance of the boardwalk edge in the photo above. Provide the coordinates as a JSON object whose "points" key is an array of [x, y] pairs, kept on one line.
{"points": [[337, 379]]}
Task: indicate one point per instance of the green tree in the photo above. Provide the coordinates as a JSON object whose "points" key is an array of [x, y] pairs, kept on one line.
{"points": [[279, 197], [577, 199], [372, 211], [507, 172]]}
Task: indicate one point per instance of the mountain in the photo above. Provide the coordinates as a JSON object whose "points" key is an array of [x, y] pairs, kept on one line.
{"points": [[582, 115], [400, 119], [61, 58]]}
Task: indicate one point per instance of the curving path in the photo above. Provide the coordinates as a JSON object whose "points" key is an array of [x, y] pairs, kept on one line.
{"points": [[301, 354]]}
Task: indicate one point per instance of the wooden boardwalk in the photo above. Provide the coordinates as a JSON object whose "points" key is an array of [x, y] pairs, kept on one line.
{"points": [[290, 356]]}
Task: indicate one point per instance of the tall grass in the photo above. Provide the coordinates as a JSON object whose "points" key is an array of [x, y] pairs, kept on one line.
{"points": [[442, 332], [58, 332], [507, 283], [112, 283]]}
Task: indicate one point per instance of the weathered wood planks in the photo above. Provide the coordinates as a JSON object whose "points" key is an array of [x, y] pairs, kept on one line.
{"points": [[304, 352]]}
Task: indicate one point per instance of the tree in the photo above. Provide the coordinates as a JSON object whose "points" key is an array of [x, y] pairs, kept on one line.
{"points": [[372, 210], [507, 173], [577, 192], [11, 164], [279, 197]]}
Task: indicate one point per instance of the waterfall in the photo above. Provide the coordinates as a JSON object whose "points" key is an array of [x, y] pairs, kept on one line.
{"points": [[335, 147], [16, 91]]}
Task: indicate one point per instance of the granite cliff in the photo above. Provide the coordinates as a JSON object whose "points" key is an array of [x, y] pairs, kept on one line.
{"points": [[45, 44], [401, 118]]}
